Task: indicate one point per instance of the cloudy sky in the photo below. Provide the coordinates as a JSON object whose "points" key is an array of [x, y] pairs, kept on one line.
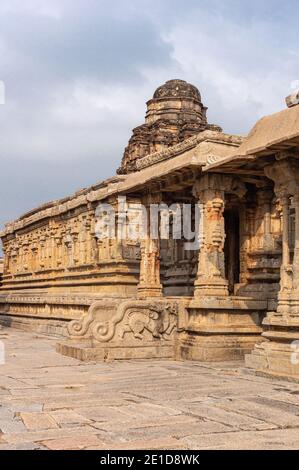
{"points": [[78, 72]]}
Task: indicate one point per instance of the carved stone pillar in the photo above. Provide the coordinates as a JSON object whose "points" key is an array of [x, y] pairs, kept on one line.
{"points": [[286, 268], [42, 244], [244, 242], [34, 250], [210, 191], [211, 269], [69, 244], [75, 232], [25, 265], [296, 248], [7, 259], [149, 283], [281, 327], [265, 197], [58, 243]]}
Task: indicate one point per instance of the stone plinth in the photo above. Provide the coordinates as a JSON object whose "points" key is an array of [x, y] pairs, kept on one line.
{"points": [[278, 354], [220, 329], [47, 313], [90, 351], [275, 358], [131, 329]]}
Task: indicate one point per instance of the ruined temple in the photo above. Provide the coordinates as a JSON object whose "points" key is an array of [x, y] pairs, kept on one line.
{"points": [[233, 295]]}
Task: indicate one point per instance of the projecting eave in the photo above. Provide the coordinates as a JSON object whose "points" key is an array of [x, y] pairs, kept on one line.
{"points": [[177, 166], [270, 136], [251, 164], [240, 164], [163, 172], [273, 133]]}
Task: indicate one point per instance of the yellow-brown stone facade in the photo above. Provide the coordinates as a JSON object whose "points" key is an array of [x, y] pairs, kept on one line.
{"points": [[228, 290], [278, 353]]}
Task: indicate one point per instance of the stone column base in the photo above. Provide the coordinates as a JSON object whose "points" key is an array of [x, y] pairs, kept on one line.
{"points": [[278, 355], [146, 292], [220, 329], [216, 348], [210, 289], [275, 359]]}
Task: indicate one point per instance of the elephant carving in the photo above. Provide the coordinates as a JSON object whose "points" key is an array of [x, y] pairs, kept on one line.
{"points": [[160, 322]]}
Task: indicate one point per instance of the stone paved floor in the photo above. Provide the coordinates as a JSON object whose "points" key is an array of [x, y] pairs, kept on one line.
{"points": [[52, 402]]}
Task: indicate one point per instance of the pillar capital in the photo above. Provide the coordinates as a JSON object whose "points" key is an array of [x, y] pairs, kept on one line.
{"points": [[151, 197], [265, 195], [285, 174], [219, 184]]}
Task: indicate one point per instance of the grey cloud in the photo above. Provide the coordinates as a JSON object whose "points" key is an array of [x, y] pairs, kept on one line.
{"points": [[78, 74]]}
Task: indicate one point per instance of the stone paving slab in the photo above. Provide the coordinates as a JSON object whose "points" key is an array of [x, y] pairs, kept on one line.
{"points": [[48, 401], [38, 421]]}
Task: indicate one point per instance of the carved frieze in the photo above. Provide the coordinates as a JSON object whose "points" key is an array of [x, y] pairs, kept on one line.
{"points": [[132, 318]]}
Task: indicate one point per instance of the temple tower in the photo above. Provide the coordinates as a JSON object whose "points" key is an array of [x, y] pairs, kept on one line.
{"points": [[175, 113]]}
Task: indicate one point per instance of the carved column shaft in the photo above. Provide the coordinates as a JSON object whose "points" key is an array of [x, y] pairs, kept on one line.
{"points": [[285, 202], [284, 173], [210, 191], [265, 197], [211, 269], [286, 268], [149, 284], [296, 248], [245, 240]]}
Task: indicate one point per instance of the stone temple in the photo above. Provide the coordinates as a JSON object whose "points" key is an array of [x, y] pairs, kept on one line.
{"points": [[232, 295]]}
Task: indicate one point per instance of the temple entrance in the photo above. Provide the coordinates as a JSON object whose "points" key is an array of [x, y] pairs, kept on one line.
{"points": [[232, 247]]}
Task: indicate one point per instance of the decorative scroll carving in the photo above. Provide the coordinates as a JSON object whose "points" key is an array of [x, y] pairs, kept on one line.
{"points": [[159, 318]]}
